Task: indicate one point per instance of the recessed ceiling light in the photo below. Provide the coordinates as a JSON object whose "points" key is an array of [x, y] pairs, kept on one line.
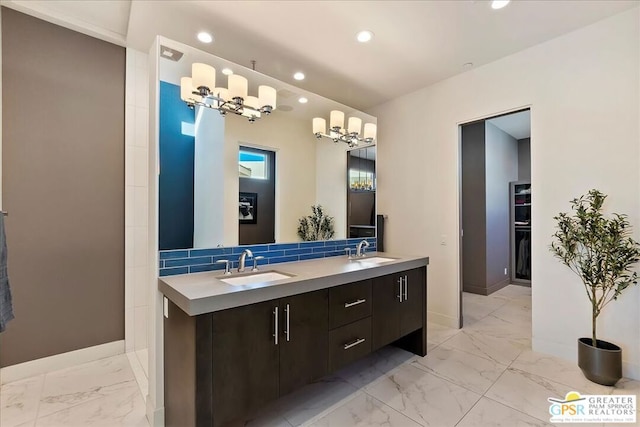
{"points": [[299, 75], [364, 36], [205, 37], [227, 71], [467, 65], [303, 100], [499, 4]]}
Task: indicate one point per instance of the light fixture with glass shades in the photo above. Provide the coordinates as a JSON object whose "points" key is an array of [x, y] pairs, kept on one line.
{"points": [[352, 135], [200, 89]]}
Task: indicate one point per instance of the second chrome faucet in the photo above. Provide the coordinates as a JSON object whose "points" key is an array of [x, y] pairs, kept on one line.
{"points": [[361, 248]]}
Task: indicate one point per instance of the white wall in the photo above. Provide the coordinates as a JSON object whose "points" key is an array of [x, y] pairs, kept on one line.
{"points": [[208, 179], [331, 183], [583, 89], [136, 200]]}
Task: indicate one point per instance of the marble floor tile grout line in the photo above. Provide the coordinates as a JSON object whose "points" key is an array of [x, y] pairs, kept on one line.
{"points": [[44, 379], [329, 410], [515, 409], [393, 409], [470, 409]]}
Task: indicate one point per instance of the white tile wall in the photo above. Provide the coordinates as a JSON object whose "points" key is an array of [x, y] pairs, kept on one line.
{"points": [[140, 333], [136, 201]]}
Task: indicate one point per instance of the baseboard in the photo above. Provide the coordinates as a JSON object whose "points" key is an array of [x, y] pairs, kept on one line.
{"points": [[497, 286], [485, 289], [155, 416], [474, 289], [60, 361], [442, 319], [630, 370], [563, 351], [139, 374], [570, 352]]}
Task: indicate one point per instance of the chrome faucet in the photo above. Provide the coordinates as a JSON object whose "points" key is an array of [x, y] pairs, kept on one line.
{"points": [[362, 246], [243, 256]]}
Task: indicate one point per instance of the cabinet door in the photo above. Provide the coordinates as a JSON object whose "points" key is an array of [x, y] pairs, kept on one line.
{"points": [[303, 350], [385, 314], [413, 302], [245, 360]]}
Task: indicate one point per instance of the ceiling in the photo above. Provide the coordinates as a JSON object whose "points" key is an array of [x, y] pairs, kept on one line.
{"points": [[416, 43], [518, 125]]}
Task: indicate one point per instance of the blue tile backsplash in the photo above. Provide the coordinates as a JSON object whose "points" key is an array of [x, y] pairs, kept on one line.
{"points": [[184, 261]]}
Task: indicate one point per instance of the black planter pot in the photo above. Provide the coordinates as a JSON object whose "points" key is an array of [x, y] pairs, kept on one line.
{"points": [[601, 364]]}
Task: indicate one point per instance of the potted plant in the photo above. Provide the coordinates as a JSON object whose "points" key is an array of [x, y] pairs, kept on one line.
{"points": [[602, 253], [318, 226]]}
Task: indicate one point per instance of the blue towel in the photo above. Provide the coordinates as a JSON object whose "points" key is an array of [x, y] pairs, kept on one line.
{"points": [[6, 307]]}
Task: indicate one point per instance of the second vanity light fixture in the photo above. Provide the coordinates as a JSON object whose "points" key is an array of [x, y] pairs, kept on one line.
{"points": [[352, 135], [200, 89]]}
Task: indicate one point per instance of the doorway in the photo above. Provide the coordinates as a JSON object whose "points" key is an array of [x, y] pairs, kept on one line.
{"points": [[257, 198], [495, 204]]}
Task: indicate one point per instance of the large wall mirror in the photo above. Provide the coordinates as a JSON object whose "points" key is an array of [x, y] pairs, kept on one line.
{"points": [[225, 181]]}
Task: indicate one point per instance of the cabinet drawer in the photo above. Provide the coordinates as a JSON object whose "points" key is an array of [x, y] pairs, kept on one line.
{"points": [[348, 303], [349, 343]]}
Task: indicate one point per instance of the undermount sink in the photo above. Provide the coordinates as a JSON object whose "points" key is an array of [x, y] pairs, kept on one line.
{"points": [[259, 277], [374, 260]]}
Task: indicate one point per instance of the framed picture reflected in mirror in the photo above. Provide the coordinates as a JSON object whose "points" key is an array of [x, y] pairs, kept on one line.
{"points": [[248, 208]]}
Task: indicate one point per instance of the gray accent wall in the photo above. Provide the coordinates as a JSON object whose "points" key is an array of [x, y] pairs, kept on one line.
{"points": [[489, 163], [501, 157], [63, 185], [524, 159]]}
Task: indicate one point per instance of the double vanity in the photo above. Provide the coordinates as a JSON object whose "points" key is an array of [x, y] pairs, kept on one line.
{"points": [[234, 342]]}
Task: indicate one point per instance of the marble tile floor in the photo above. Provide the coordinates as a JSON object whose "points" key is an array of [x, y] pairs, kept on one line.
{"points": [[482, 375], [99, 393]]}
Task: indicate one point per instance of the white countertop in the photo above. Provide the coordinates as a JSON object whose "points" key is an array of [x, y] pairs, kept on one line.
{"points": [[199, 293]]}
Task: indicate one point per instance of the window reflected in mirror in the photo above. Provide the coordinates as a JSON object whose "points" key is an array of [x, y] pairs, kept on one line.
{"points": [[252, 164]]}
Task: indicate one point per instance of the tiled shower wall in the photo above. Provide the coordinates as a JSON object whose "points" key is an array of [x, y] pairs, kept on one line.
{"points": [[136, 200], [184, 261]]}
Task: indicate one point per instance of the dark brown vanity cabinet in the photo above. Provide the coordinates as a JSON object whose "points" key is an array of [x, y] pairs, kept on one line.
{"points": [[244, 362], [399, 308], [223, 365], [242, 357], [266, 350], [303, 340]]}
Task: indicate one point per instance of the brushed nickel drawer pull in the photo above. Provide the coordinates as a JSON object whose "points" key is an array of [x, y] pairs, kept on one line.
{"points": [[353, 344], [351, 304]]}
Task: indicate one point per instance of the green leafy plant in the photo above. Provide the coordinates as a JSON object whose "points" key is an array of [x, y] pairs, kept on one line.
{"points": [[598, 249], [318, 226]]}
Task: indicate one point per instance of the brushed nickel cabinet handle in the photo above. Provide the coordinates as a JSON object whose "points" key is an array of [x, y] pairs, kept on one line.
{"points": [[353, 344], [275, 332], [400, 292], [351, 304], [288, 311], [406, 281]]}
